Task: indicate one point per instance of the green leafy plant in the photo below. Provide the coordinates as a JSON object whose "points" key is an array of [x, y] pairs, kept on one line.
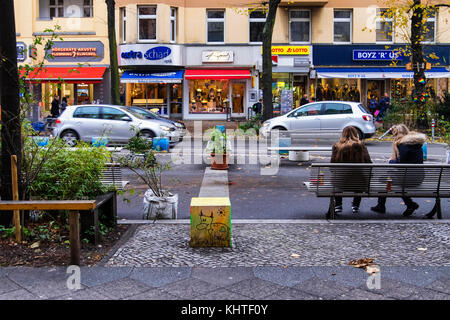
{"points": [[218, 142]]}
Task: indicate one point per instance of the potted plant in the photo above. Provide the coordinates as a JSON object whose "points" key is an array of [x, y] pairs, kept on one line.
{"points": [[219, 148], [158, 202]]}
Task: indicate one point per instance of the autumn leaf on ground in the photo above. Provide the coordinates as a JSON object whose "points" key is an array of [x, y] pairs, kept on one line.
{"points": [[294, 255], [361, 263]]}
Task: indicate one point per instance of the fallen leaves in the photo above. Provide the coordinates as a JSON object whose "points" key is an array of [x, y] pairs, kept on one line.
{"points": [[295, 256], [366, 264], [422, 249]]}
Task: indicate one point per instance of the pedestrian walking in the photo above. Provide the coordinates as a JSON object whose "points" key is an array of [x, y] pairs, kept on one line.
{"points": [[384, 105], [349, 149], [55, 107], [257, 107], [407, 148], [373, 105], [63, 105], [304, 100]]}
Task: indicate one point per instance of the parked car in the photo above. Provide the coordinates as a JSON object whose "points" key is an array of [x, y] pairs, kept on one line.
{"points": [[332, 116], [117, 123], [151, 115]]}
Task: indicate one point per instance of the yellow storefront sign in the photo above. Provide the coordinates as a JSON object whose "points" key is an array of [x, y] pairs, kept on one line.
{"points": [[290, 50]]}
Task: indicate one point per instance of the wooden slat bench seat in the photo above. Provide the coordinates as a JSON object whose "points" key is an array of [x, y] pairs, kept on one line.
{"points": [[380, 180]]}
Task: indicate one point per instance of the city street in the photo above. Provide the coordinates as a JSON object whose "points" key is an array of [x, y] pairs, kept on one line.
{"points": [[278, 196]]}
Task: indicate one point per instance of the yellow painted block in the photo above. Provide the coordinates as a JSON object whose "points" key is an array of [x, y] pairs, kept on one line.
{"points": [[210, 222]]}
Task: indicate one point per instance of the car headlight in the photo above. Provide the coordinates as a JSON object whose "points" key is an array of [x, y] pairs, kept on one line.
{"points": [[166, 128], [179, 125], [265, 124]]}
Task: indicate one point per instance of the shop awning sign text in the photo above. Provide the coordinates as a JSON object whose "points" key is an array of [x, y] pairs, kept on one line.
{"points": [[376, 55], [290, 50]]}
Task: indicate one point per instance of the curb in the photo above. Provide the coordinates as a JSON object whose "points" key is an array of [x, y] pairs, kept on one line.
{"points": [[123, 239]]}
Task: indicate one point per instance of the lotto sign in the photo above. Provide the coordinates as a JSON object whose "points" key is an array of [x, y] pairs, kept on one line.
{"points": [[290, 50]]}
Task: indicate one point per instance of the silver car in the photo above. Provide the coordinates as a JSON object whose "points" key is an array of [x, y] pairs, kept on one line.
{"points": [[116, 123], [330, 116]]}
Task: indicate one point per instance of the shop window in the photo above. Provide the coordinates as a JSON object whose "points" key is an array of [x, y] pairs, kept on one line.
{"points": [[256, 21], [147, 23], [123, 24], [87, 113], [342, 26], [208, 96], [176, 98], [430, 27], [215, 25], [300, 26], [173, 24], [337, 90], [384, 25]]}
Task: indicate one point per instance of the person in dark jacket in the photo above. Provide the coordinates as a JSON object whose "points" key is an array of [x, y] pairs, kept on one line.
{"points": [[373, 105], [304, 100], [349, 149], [384, 105], [407, 148], [55, 107], [63, 105]]}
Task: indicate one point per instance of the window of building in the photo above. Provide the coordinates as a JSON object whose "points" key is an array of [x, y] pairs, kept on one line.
{"points": [[430, 28], [173, 24], [88, 8], [56, 8], [147, 23], [300, 26], [384, 25], [342, 26], [123, 24], [256, 21], [215, 26]]}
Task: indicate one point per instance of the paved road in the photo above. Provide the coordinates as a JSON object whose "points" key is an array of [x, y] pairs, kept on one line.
{"points": [[276, 196]]}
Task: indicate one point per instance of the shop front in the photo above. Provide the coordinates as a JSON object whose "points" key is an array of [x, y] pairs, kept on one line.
{"points": [[290, 81], [152, 77], [358, 73], [219, 82], [75, 72]]}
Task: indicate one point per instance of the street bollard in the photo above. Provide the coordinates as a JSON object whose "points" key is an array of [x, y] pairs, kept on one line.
{"points": [[433, 123]]}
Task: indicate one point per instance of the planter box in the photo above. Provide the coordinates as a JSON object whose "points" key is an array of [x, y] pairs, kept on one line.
{"points": [[219, 161], [210, 222]]}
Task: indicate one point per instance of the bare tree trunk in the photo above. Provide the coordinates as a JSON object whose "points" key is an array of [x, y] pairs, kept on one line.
{"points": [[10, 103], [418, 63], [115, 95], [267, 59]]}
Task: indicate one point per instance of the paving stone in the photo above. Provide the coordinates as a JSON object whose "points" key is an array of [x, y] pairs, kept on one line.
{"points": [[358, 294], [6, 285], [429, 295], [83, 294], [416, 276], [161, 276], [325, 289], [394, 289], [284, 276], [254, 288], [224, 276], [290, 294], [189, 288], [95, 276], [221, 294], [154, 294], [347, 275], [20, 294], [441, 285], [121, 289]]}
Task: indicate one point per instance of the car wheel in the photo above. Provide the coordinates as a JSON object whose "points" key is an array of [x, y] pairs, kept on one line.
{"points": [[70, 137], [147, 134]]}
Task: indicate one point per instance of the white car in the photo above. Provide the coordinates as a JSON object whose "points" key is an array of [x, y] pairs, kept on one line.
{"points": [[116, 123], [329, 116]]}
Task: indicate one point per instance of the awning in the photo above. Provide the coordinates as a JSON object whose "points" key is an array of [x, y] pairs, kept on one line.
{"points": [[379, 73], [67, 74], [152, 77], [220, 74]]}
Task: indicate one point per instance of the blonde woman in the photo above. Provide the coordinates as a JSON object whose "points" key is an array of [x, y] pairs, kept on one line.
{"points": [[407, 148]]}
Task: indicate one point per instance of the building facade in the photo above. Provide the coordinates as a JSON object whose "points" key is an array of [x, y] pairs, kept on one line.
{"points": [[78, 68], [199, 59]]}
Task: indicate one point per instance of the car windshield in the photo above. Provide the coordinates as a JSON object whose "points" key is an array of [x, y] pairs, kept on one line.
{"points": [[363, 109], [146, 113], [134, 113]]}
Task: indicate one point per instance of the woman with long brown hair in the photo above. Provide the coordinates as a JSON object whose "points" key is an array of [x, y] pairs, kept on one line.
{"points": [[349, 149]]}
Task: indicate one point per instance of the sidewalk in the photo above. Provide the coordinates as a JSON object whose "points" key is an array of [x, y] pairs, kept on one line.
{"points": [[300, 261]]}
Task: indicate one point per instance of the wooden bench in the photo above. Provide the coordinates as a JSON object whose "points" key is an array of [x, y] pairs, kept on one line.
{"points": [[380, 180], [75, 207], [112, 175]]}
